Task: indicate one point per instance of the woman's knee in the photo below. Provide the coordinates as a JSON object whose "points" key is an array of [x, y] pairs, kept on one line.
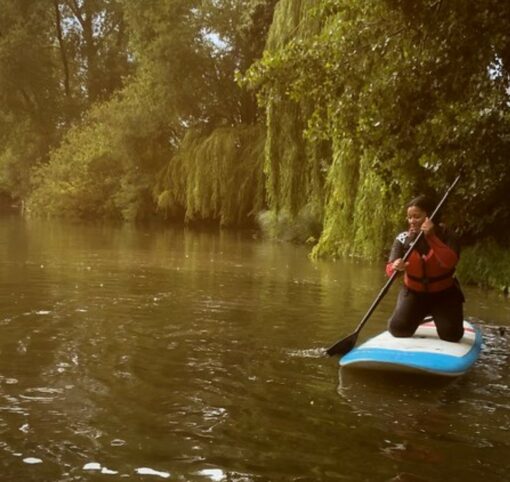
{"points": [[450, 328], [400, 330], [451, 335]]}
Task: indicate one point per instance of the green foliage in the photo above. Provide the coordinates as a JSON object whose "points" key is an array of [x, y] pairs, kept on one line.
{"points": [[93, 50], [172, 55], [486, 265], [301, 228], [377, 210], [342, 185], [216, 176], [407, 94], [67, 186], [285, 159], [29, 103], [56, 58], [295, 165], [106, 165], [240, 28], [215, 172], [132, 108], [182, 81]]}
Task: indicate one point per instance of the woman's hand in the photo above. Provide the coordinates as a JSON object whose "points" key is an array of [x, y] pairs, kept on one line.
{"points": [[427, 227], [399, 265]]}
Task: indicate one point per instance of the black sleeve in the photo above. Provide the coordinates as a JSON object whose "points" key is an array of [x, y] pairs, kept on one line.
{"points": [[397, 250]]}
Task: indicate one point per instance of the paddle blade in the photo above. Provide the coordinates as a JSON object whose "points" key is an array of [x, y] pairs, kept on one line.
{"points": [[344, 346]]}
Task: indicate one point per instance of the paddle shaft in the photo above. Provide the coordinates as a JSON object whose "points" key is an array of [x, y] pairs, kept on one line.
{"points": [[334, 349]]}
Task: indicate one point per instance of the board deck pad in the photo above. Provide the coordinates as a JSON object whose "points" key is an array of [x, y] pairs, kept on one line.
{"points": [[424, 352]]}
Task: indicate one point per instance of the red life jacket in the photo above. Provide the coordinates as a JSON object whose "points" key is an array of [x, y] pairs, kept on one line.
{"points": [[432, 272], [426, 274]]}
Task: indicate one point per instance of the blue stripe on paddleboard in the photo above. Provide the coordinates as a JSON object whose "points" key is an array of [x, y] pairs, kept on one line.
{"points": [[429, 362]]}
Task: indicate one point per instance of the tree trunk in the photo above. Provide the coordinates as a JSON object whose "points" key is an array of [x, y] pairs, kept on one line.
{"points": [[84, 15], [60, 36]]}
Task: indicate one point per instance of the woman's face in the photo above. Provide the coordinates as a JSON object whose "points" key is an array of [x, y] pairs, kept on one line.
{"points": [[415, 218]]}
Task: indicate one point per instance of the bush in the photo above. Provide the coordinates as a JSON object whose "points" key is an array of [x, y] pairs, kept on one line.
{"points": [[302, 228], [485, 264]]}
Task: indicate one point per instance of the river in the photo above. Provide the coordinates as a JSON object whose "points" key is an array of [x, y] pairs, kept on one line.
{"points": [[162, 353]]}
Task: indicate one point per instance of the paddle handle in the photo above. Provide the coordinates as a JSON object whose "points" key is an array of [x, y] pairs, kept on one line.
{"points": [[386, 287]]}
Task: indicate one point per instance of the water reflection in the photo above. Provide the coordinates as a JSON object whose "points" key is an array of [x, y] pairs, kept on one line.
{"points": [[153, 352]]}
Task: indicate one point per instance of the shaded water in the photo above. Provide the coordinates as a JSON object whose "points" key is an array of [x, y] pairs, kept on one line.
{"points": [[155, 354]]}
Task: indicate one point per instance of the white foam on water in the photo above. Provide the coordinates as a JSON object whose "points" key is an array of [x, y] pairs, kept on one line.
{"points": [[32, 460], [149, 471], [309, 353], [107, 471], [214, 474], [117, 442]]}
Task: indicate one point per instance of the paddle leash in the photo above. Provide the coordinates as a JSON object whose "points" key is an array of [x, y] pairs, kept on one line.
{"points": [[345, 345]]}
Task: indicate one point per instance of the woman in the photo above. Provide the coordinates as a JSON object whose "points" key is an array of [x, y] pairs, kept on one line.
{"points": [[429, 285]]}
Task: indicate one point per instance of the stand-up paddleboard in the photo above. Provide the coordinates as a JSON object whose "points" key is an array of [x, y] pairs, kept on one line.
{"points": [[424, 352]]}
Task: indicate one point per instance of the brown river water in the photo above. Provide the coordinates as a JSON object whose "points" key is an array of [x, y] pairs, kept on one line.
{"points": [[160, 353]]}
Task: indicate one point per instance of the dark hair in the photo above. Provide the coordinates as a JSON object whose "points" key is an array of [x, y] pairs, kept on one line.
{"points": [[423, 202]]}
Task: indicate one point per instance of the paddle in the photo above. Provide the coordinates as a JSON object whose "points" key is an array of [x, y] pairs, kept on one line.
{"points": [[345, 345]]}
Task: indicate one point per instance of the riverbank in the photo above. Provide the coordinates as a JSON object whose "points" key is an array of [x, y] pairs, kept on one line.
{"points": [[485, 264]]}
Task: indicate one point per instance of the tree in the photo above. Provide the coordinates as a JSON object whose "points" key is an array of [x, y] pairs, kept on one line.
{"points": [[221, 141], [93, 41], [181, 95], [407, 94], [29, 100], [56, 58]]}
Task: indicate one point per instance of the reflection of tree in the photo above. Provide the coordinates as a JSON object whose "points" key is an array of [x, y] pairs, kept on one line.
{"points": [[164, 348]]}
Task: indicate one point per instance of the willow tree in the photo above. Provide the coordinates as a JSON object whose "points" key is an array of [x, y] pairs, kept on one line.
{"points": [[294, 164], [215, 173], [215, 177], [407, 94]]}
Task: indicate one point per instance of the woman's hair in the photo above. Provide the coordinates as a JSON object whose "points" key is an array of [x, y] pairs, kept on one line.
{"points": [[425, 203]]}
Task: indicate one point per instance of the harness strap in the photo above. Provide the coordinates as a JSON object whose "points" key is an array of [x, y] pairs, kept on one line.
{"points": [[431, 279]]}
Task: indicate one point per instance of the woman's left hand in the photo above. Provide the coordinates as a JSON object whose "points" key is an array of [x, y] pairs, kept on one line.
{"points": [[427, 227]]}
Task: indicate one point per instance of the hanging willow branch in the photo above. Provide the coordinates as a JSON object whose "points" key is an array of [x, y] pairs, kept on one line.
{"points": [[217, 176]]}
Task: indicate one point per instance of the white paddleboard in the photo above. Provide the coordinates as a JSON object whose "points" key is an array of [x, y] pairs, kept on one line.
{"points": [[424, 352]]}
